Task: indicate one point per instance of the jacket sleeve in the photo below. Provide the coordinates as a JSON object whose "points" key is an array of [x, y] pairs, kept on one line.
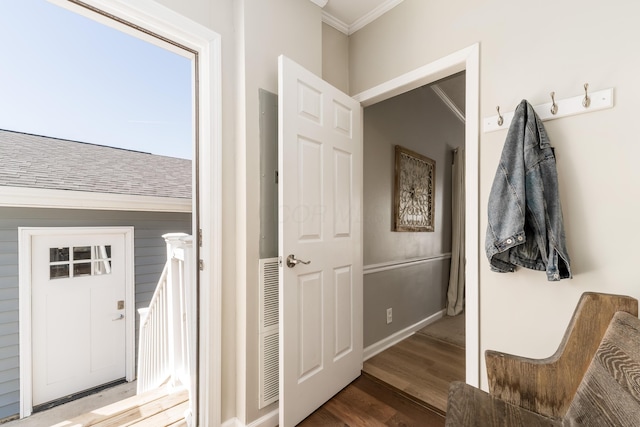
{"points": [[507, 200]]}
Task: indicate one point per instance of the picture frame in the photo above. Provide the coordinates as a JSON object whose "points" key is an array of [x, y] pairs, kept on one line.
{"points": [[414, 191]]}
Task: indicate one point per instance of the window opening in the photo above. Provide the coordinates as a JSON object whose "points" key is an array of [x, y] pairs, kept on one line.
{"points": [[84, 261]]}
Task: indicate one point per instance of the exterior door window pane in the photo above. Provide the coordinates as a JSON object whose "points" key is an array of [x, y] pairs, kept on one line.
{"points": [[82, 269], [58, 254], [85, 261], [102, 267], [81, 252], [58, 271]]}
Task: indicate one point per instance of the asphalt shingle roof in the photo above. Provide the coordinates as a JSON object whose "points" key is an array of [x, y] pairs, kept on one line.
{"points": [[42, 162]]}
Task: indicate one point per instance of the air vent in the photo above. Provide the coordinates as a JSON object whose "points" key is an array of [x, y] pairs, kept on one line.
{"points": [[268, 333], [268, 294]]}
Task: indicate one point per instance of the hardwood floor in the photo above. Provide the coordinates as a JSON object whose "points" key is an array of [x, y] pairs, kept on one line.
{"points": [[420, 366], [405, 385], [368, 402]]}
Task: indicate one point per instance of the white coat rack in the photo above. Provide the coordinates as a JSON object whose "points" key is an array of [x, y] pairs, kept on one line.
{"points": [[580, 104]]}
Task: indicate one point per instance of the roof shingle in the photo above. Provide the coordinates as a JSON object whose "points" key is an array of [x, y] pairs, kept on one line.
{"points": [[49, 163]]}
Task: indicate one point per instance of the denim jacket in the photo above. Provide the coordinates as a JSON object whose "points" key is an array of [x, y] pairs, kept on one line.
{"points": [[525, 217]]}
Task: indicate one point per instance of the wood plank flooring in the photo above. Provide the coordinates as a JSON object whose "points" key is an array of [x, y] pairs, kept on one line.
{"points": [[420, 366], [156, 408], [405, 385], [367, 402]]}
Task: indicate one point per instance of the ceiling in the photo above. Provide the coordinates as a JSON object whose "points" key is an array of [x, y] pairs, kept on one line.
{"points": [[349, 16]]}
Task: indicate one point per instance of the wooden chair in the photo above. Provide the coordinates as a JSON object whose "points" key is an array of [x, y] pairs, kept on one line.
{"points": [[547, 386], [608, 395]]}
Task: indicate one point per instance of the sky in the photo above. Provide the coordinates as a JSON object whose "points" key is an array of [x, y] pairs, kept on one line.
{"points": [[66, 76]]}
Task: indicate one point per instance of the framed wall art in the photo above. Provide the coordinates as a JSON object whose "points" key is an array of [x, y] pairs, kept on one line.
{"points": [[414, 191]]}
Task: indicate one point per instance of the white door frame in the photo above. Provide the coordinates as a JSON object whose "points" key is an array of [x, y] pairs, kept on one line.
{"points": [[465, 59], [158, 19], [25, 236]]}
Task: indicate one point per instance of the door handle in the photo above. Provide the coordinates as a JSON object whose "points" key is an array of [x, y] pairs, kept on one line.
{"points": [[292, 261], [118, 318]]}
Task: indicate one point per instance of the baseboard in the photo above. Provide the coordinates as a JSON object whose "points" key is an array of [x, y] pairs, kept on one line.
{"points": [[395, 338], [232, 422], [269, 420]]}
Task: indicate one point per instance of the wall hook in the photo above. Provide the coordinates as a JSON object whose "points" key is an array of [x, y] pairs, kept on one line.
{"points": [[500, 118], [554, 106], [586, 101]]}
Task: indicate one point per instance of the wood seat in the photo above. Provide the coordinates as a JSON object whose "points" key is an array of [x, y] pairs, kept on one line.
{"points": [[607, 396], [547, 386]]}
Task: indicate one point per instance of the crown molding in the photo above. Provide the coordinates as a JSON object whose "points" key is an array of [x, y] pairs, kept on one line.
{"points": [[448, 102], [360, 22], [321, 3], [335, 23]]}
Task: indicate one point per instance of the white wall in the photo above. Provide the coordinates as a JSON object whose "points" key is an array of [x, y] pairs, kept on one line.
{"points": [[526, 51], [265, 30], [335, 58]]}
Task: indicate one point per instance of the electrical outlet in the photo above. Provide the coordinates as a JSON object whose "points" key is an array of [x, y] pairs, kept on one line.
{"points": [[389, 315]]}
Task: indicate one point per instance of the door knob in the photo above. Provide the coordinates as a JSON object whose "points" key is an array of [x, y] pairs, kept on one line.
{"points": [[292, 261], [119, 317]]}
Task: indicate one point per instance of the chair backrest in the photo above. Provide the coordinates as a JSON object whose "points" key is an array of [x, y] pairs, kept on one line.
{"points": [[547, 386], [609, 393]]}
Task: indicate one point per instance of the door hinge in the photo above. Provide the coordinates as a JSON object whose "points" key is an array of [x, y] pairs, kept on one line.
{"points": [[200, 265], [200, 237]]}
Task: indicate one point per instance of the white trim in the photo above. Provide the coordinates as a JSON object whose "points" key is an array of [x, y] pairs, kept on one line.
{"points": [[448, 102], [335, 23], [373, 15], [414, 79], [405, 333], [393, 265], [321, 3], [566, 107], [25, 236], [232, 422], [210, 308], [25, 197], [361, 22], [465, 59], [154, 17], [269, 420]]}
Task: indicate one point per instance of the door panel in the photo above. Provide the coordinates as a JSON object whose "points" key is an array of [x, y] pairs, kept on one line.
{"points": [[320, 191], [78, 326]]}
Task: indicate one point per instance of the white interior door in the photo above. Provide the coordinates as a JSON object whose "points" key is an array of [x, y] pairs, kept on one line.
{"points": [[320, 193], [78, 313]]}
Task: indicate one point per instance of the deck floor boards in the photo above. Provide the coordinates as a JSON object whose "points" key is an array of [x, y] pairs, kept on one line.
{"points": [[157, 408]]}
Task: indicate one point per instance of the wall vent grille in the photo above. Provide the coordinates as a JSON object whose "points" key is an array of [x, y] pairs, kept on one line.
{"points": [[268, 332]]}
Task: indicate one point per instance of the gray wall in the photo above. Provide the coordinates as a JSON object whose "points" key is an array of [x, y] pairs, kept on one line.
{"points": [[150, 257], [268, 174], [417, 120]]}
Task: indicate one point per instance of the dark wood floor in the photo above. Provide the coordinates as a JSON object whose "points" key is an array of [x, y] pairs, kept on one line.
{"points": [[368, 402]]}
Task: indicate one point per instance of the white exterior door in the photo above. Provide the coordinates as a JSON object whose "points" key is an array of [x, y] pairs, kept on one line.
{"points": [[320, 193], [78, 307]]}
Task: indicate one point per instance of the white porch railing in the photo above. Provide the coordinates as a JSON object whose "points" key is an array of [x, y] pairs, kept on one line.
{"points": [[167, 345]]}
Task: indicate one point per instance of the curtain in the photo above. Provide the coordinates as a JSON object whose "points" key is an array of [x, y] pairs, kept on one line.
{"points": [[455, 292]]}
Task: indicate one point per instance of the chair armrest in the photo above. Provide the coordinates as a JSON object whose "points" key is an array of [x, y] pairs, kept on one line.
{"points": [[471, 407]]}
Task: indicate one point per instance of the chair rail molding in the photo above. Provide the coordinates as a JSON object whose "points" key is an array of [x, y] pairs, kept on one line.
{"points": [[393, 265]]}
